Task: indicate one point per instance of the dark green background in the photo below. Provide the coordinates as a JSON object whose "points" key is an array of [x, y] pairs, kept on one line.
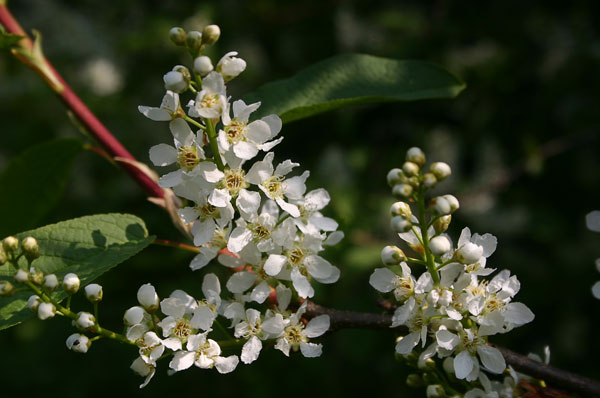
{"points": [[529, 114]]}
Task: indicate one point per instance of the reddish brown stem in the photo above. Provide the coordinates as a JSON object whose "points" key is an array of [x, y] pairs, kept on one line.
{"points": [[182, 246], [79, 109]]}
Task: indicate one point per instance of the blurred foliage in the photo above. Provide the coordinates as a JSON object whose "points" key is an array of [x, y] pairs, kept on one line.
{"points": [[522, 140]]}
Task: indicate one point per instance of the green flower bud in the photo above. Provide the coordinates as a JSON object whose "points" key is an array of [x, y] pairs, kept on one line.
{"points": [[400, 224], [395, 176], [401, 209], [22, 276], [30, 248], [429, 180], [36, 276], [435, 391], [50, 282], [441, 224], [414, 380], [10, 244], [402, 191], [426, 364], [415, 155], [441, 170], [410, 169], [193, 40], [177, 36], [392, 255], [71, 283], [33, 303], [211, 34], [6, 289], [93, 292]]}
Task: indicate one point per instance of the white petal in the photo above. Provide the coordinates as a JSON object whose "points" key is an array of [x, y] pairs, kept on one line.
{"points": [[402, 313], [163, 155], [209, 171], [182, 360], [245, 150], [317, 199], [446, 339], [219, 197], [261, 292], [284, 296], [463, 364], [318, 267], [203, 318], [204, 257], [239, 238], [188, 214], [592, 221], [290, 208], [211, 285], [487, 241], [596, 290], [301, 284], [317, 326], [274, 264], [295, 186], [334, 238], [491, 358], [248, 201], [230, 261], [181, 132], [274, 325], [311, 350], [274, 123], [171, 179], [408, 342], [203, 231], [240, 282], [251, 350], [226, 365], [258, 131], [382, 279], [518, 314], [156, 114]]}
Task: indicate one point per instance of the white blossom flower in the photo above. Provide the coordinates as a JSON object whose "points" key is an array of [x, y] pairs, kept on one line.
{"points": [[205, 354], [207, 310], [210, 101], [78, 343], [385, 281], [296, 335], [167, 110], [147, 297], [143, 369], [178, 307], [273, 183]]}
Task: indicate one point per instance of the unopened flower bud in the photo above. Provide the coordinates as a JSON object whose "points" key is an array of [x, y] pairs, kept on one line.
{"points": [[93, 292], [440, 245], [85, 320], [175, 81], [395, 176], [71, 283], [30, 248], [177, 36], [230, 66], [193, 40], [415, 155], [10, 244], [33, 303], [50, 282], [442, 223], [392, 255], [203, 65], [22, 276], [402, 191], [36, 276], [429, 180], [401, 209], [46, 311], [3, 256], [448, 365], [440, 206], [454, 205], [78, 343], [211, 34], [441, 170], [7, 289], [147, 297], [414, 380], [400, 224], [469, 253], [134, 315], [411, 169], [425, 363], [435, 391]]}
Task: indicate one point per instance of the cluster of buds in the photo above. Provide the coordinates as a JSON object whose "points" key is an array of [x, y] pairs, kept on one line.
{"points": [[11, 250], [447, 311]]}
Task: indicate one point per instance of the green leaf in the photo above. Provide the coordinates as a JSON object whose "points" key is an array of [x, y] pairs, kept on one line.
{"points": [[88, 246], [33, 182], [351, 79], [8, 40]]}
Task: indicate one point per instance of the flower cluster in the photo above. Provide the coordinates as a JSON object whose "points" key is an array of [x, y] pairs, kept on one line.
{"points": [[448, 310], [179, 327], [255, 217]]}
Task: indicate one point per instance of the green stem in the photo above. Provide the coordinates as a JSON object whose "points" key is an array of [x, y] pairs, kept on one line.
{"points": [[212, 139], [430, 260], [70, 314], [416, 261], [195, 123]]}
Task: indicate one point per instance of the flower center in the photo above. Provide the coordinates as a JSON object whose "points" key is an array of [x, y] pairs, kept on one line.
{"points": [[236, 131], [208, 211], [209, 101], [293, 334], [273, 186], [259, 231], [187, 157], [182, 329], [234, 180]]}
